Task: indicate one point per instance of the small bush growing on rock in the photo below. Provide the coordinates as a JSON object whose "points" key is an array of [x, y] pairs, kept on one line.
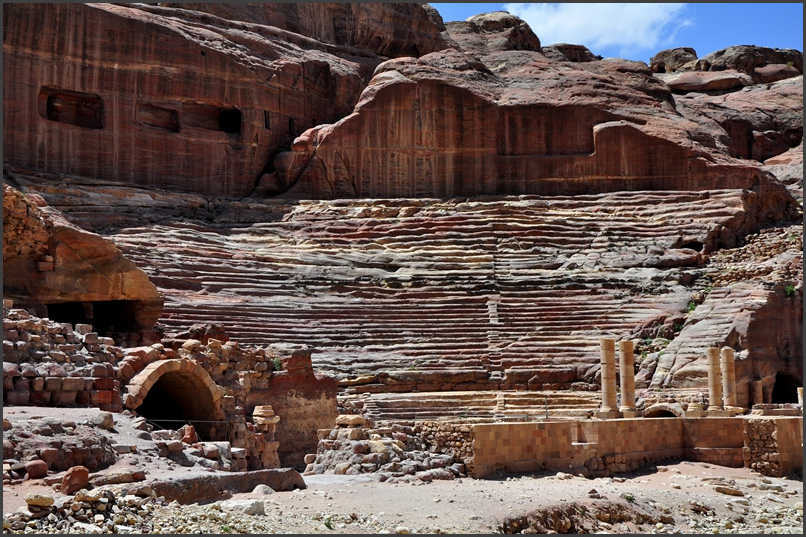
{"points": [[225, 529], [789, 290], [678, 327], [691, 306], [278, 364], [629, 497]]}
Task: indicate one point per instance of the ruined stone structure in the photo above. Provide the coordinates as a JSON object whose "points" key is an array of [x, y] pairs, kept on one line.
{"points": [[69, 274], [229, 393], [488, 211]]}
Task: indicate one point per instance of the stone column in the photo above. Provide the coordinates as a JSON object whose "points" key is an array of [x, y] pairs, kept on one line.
{"points": [[714, 381], [728, 377], [800, 396], [627, 374], [758, 393], [609, 404]]}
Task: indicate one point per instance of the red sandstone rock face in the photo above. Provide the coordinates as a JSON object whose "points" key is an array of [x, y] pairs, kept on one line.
{"points": [[756, 122], [489, 32], [564, 52], [51, 261], [390, 30], [514, 123], [763, 64], [200, 103], [673, 59], [706, 81]]}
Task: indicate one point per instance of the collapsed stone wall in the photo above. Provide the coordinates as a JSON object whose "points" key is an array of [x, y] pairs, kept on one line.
{"points": [[397, 452], [49, 364]]}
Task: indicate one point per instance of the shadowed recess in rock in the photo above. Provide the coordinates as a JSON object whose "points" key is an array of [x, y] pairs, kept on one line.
{"points": [[178, 396]]}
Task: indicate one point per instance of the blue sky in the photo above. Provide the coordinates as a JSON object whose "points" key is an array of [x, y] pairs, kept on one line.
{"points": [[638, 31]]}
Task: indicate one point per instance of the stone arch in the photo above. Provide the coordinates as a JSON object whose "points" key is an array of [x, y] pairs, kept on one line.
{"points": [[181, 388], [664, 410]]}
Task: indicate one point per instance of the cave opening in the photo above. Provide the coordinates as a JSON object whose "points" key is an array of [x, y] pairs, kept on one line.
{"points": [[693, 245], [785, 389], [229, 121], [178, 398], [105, 316]]}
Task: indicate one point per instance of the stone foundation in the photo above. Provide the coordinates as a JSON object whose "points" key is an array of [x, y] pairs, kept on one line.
{"points": [[770, 446]]}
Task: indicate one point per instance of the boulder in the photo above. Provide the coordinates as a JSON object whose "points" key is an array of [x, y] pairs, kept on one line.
{"points": [[76, 478], [104, 420], [350, 420], [39, 500], [672, 60], [496, 31], [565, 52], [243, 507], [36, 469]]}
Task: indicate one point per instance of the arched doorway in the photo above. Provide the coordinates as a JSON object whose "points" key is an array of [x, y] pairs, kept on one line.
{"points": [[785, 389], [171, 393], [663, 410]]}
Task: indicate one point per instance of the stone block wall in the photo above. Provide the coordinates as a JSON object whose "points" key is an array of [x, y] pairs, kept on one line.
{"points": [[46, 363], [774, 445], [715, 440]]}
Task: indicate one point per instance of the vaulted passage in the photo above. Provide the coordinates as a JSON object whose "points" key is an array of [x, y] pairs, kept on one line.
{"points": [[106, 317], [180, 396], [785, 389]]}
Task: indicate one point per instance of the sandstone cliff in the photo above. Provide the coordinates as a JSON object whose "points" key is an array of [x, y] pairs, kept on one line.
{"points": [[52, 264]]}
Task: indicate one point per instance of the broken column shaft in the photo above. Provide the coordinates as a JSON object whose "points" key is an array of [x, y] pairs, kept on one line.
{"points": [[728, 377], [714, 381], [608, 348], [627, 374]]}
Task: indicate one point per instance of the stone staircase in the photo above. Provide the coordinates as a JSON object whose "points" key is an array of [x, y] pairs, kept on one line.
{"points": [[431, 295], [502, 405]]}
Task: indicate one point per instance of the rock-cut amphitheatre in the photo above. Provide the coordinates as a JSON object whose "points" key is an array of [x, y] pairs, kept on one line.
{"points": [[355, 239]]}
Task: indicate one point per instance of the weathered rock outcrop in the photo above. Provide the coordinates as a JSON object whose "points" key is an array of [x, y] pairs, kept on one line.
{"points": [[672, 60], [565, 52], [51, 264], [497, 31], [389, 30], [200, 104], [762, 64], [756, 123], [514, 123]]}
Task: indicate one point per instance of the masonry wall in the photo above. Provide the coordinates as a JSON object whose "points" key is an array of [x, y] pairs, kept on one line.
{"points": [[608, 446], [774, 445]]}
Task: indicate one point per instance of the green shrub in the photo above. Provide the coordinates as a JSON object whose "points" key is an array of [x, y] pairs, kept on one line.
{"points": [[278, 364], [691, 306], [790, 290], [226, 529], [629, 497], [678, 327]]}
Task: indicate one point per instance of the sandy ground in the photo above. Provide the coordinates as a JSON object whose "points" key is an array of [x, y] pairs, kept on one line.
{"points": [[360, 504]]}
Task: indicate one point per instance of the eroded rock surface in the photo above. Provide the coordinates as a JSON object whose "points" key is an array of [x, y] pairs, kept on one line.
{"points": [[50, 263]]}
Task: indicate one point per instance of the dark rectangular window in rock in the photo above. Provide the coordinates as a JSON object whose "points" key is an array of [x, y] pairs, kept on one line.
{"points": [[267, 120], [157, 116], [72, 107], [211, 117]]}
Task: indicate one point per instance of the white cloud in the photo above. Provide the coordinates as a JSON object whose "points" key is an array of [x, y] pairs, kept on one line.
{"points": [[624, 27]]}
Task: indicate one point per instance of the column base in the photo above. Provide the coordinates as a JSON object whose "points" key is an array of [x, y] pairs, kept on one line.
{"points": [[721, 413], [630, 413], [608, 414], [734, 410], [695, 414]]}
